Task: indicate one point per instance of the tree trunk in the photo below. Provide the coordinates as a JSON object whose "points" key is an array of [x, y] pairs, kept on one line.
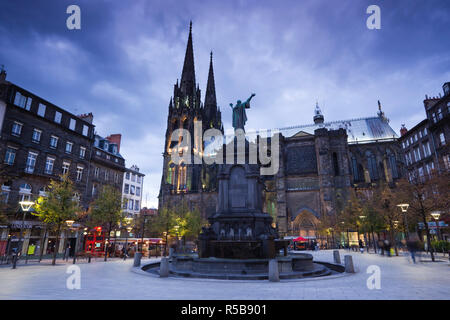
{"points": [[374, 243], [42, 245]]}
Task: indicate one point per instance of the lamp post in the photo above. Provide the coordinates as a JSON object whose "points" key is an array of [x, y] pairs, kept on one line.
{"points": [[436, 215], [165, 243], [144, 221], [404, 207], [26, 206], [70, 225]]}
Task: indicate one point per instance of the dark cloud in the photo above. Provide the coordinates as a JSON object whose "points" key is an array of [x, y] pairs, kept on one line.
{"points": [[124, 61]]}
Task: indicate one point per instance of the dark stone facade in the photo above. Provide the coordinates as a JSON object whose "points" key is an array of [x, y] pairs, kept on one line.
{"points": [[29, 128], [318, 163]]}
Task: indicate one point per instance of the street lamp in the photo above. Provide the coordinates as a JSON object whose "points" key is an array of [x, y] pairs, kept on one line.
{"points": [[69, 224], [26, 206], [404, 207], [436, 215]]}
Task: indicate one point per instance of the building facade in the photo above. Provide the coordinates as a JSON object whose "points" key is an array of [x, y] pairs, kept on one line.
{"points": [[107, 166], [133, 185], [426, 145], [39, 142], [319, 163]]}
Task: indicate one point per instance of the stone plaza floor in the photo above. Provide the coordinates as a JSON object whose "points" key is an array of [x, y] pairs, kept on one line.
{"points": [[116, 279]]}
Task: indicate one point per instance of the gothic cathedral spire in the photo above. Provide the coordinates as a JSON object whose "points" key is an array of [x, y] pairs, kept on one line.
{"points": [[187, 84], [210, 96]]}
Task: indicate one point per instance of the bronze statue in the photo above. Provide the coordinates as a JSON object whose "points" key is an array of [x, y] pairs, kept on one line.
{"points": [[239, 116]]}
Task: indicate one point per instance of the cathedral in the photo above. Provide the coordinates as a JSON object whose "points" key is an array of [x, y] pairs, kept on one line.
{"points": [[318, 163]]}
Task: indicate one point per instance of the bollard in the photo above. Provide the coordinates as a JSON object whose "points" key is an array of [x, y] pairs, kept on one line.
{"points": [[337, 257], [137, 259], [349, 268], [89, 259], [274, 275], [164, 268]]}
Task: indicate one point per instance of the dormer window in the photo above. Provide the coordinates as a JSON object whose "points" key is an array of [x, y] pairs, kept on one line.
{"points": [[41, 110], [22, 101], [58, 116], [72, 124]]}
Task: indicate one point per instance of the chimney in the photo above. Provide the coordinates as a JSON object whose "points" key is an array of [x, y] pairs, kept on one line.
{"points": [[446, 88], [89, 117], [115, 138], [403, 130], [2, 74]]}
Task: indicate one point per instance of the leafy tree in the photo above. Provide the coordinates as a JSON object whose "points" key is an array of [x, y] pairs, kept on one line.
{"points": [[164, 223], [106, 210], [385, 203], [194, 223], [59, 206], [425, 194]]}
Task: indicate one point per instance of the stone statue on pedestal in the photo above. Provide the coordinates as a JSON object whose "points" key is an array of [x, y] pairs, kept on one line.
{"points": [[239, 115]]}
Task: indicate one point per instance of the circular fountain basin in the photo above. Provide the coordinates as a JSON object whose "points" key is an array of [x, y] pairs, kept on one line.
{"points": [[294, 266]]}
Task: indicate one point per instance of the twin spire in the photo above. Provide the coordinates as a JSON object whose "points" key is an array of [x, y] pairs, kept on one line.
{"points": [[188, 83]]}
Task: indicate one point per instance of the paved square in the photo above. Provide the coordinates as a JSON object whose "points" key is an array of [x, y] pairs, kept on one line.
{"points": [[400, 279]]}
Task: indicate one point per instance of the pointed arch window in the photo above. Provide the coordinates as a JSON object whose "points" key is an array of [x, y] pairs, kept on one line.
{"points": [[392, 163], [171, 174], [182, 176], [335, 164], [355, 172], [372, 165]]}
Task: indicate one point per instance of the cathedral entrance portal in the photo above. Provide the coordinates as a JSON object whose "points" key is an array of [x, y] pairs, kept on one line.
{"points": [[304, 224]]}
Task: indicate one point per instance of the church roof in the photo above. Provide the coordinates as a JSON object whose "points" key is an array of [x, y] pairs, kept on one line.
{"points": [[361, 130]]}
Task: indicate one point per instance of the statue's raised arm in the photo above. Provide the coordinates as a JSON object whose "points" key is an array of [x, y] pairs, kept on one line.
{"points": [[247, 103]]}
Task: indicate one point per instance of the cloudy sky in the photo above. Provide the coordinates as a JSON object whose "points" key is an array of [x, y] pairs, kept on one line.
{"points": [[124, 61]]}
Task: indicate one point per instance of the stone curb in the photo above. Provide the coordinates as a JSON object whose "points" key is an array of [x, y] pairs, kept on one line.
{"points": [[139, 271]]}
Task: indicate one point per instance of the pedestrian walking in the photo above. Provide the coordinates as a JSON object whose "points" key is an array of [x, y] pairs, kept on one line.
{"points": [[361, 246], [412, 248], [124, 253], [387, 247]]}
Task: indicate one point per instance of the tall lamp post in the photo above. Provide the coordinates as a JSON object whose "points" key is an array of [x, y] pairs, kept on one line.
{"points": [[26, 206], [144, 221], [436, 215], [404, 207], [70, 225]]}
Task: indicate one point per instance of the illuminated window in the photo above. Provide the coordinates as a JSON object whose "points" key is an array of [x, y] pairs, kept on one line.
{"points": [[49, 165], [16, 128]]}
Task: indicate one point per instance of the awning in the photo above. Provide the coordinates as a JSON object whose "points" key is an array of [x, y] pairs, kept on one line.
{"points": [[300, 239]]}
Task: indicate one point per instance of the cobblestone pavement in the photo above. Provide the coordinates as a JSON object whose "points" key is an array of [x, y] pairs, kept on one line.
{"points": [[116, 279]]}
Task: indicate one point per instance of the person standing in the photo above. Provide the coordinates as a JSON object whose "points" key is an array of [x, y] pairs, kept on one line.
{"points": [[361, 246]]}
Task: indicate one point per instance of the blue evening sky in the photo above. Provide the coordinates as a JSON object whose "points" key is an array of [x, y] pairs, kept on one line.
{"points": [[124, 61]]}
